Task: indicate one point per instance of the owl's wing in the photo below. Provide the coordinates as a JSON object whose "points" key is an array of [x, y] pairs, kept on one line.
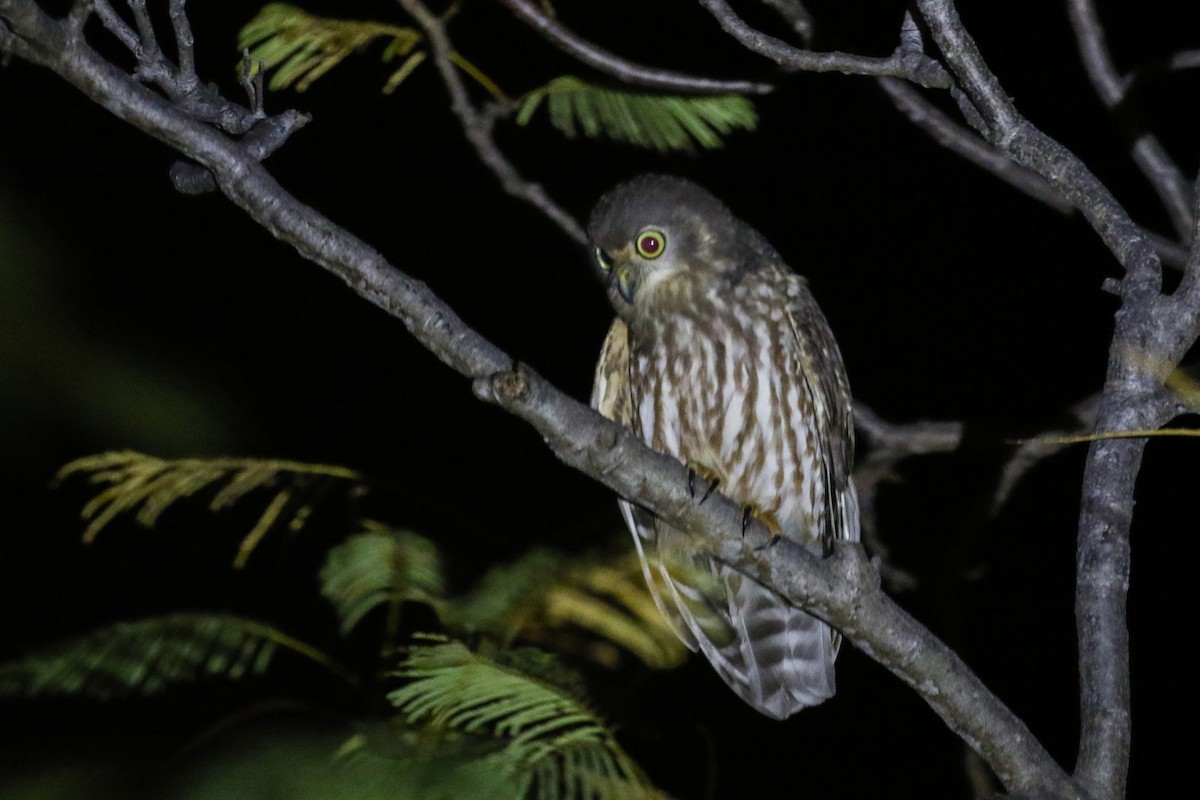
{"points": [[612, 396], [611, 392], [775, 656], [824, 376]]}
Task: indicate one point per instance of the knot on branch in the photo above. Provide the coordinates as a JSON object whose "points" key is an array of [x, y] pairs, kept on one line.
{"points": [[855, 570], [267, 136], [504, 387]]}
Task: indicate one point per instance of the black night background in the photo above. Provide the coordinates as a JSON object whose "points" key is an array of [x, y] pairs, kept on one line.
{"points": [[132, 317]]}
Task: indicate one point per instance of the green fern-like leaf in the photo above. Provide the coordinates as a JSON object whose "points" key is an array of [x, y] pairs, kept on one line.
{"points": [[305, 47], [151, 485], [417, 764], [553, 746], [582, 605], [380, 566], [662, 122], [147, 656]]}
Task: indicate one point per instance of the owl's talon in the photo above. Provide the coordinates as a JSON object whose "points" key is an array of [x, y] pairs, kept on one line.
{"points": [[709, 477], [774, 540], [768, 520]]}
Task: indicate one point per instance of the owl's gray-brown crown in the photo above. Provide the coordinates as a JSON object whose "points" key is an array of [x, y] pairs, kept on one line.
{"points": [[664, 241], [661, 200]]}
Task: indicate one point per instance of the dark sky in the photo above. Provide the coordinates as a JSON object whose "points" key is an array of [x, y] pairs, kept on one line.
{"points": [[139, 318]]}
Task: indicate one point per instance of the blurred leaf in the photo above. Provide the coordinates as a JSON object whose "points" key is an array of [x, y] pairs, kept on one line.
{"points": [[442, 766], [381, 566], [663, 122], [151, 485], [582, 605], [147, 656], [552, 743]]}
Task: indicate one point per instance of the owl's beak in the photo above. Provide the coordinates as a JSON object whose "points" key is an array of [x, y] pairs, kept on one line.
{"points": [[626, 285]]}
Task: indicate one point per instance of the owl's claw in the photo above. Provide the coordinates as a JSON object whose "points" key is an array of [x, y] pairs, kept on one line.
{"points": [[768, 520], [705, 474]]}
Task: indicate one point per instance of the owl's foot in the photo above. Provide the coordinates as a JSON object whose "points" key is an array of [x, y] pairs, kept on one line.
{"points": [[768, 520], [705, 474]]}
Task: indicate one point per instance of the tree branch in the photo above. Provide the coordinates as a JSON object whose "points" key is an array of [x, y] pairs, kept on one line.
{"points": [[905, 62], [601, 59], [844, 589], [1148, 152], [1013, 135], [1147, 343], [886, 445], [962, 142], [478, 127], [796, 16]]}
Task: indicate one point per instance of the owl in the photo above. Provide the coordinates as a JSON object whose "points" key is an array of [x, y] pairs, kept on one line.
{"points": [[720, 357]]}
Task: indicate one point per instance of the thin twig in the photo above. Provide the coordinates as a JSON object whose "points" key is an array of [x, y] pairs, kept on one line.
{"points": [[886, 444], [1032, 452], [796, 16], [118, 28], [184, 45], [963, 142], [478, 127], [903, 63], [145, 28], [1148, 152], [1176, 62], [599, 58]]}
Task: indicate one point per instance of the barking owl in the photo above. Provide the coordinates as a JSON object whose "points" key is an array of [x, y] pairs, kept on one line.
{"points": [[720, 357]]}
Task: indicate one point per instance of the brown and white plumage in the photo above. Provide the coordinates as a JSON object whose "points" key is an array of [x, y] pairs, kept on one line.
{"points": [[720, 357]]}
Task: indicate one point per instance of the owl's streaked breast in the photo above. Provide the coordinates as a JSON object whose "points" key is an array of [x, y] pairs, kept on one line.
{"points": [[732, 401]]}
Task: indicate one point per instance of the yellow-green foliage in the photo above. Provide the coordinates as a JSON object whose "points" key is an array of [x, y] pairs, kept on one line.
{"points": [[304, 47], [301, 47], [592, 606], [151, 485], [581, 605], [490, 722], [662, 122]]}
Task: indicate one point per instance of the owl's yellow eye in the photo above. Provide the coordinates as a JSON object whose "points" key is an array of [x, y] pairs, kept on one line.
{"points": [[603, 260], [651, 244]]}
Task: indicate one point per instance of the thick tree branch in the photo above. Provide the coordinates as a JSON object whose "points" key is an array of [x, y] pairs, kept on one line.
{"points": [[844, 588], [601, 59], [1151, 334], [906, 62]]}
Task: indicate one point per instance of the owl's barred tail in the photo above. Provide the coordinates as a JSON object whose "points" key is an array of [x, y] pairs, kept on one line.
{"points": [[781, 659]]}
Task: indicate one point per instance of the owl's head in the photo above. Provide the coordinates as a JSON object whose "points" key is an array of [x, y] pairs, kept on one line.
{"points": [[661, 240]]}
